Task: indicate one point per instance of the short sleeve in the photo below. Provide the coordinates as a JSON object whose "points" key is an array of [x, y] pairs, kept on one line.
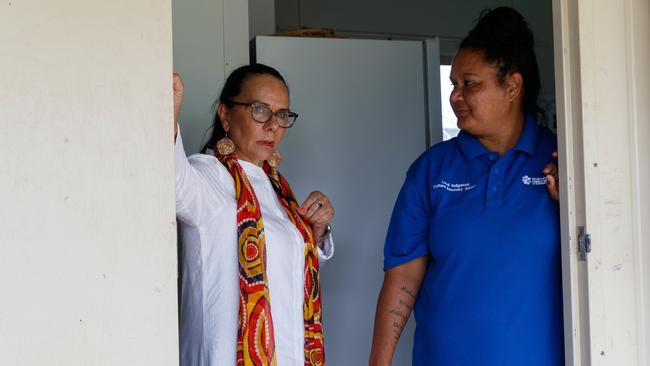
{"points": [[407, 236]]}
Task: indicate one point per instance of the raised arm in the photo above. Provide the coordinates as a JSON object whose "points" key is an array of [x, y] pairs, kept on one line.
{"points": [[179, 91], [396, 301], [190, 185]]}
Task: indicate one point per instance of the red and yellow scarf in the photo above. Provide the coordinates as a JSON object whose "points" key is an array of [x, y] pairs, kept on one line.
{"points": [[255, 341]]}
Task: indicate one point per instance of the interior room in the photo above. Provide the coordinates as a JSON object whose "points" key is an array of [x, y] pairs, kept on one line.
{"points": [[370, 102], [90, 270]]}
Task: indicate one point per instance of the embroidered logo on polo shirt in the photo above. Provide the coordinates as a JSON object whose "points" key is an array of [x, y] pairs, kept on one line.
{"points": [[534, 181], [454, 187]]}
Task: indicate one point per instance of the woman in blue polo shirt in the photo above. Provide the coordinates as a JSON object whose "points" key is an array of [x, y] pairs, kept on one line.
{"points": [[473, 246]]}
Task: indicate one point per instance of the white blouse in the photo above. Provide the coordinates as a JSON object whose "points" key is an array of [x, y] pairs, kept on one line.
{"points": [[206, 206]]}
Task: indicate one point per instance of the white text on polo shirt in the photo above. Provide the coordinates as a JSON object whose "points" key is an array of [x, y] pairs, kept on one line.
{"points": [[533, 181], [454, 187]]}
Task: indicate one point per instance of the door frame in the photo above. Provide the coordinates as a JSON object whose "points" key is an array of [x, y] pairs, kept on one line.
{"points": [[602, 49]]}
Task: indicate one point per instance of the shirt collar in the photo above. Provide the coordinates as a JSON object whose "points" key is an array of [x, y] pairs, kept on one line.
{"points": [[472, 148], [251, 169]]}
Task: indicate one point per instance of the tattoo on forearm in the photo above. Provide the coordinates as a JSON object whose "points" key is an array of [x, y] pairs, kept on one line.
{"points": [[409, 292], [406, 304], [397, 329], [401, 313]]}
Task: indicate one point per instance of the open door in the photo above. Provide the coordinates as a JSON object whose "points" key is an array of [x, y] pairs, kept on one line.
{"points": [[602, 50]]}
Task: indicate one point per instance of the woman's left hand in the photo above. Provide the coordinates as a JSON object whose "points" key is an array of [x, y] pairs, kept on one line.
{"points": [[552, 184], [317, 210]]}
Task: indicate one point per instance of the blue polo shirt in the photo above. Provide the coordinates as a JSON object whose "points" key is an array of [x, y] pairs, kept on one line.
{"points": [[492, 292]]}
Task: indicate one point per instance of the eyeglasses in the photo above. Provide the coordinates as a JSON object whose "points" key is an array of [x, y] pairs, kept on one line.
{"points": [[262, 114]]}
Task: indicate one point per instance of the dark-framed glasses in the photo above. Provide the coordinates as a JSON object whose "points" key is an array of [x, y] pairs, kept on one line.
{"points": [[262, 113]]}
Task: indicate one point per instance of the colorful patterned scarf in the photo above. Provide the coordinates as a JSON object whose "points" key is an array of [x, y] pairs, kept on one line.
{"points": [[255, 340]]}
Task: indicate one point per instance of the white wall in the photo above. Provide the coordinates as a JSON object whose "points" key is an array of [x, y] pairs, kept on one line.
{"points": [[210, 40], [87, 229]]}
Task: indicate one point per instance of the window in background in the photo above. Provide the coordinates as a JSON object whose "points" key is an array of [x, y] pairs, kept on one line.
{"points": [[449, 128]]}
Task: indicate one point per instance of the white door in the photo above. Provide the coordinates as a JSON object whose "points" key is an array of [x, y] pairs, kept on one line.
{"points": [[602, 53]]}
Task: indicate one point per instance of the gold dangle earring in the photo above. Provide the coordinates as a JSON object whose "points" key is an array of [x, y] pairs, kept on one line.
{"points": [[275, 160], [225, 146]]}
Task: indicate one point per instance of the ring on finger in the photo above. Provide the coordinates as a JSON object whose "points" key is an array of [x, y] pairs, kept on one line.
{"points": [[319, 203]]}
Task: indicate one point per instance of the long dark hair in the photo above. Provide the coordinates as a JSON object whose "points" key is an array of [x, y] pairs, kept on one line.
{"points": [[231, 90], [505, 37]]}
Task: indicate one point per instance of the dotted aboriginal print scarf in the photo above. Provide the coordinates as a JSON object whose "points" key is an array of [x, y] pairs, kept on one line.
{"points": [[255, 341]]}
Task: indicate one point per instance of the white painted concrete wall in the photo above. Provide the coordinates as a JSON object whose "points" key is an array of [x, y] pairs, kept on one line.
{"points": [[87, 225]]}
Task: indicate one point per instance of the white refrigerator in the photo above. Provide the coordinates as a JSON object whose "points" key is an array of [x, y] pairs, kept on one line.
{"points": [[368, 109]]}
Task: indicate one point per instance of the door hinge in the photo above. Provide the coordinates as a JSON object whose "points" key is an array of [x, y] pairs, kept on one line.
{"points": [[584, 243]]}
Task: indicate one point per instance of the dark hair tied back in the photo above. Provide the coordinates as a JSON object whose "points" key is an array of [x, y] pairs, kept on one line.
{"points": [[231, 90], [505, 37]]}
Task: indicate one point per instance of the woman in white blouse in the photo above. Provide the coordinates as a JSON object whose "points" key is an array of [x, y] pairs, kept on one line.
{"points": [[247, 243]]}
